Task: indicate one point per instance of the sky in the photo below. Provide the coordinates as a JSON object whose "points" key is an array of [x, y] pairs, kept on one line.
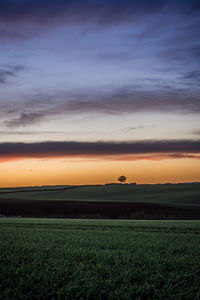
{"points": [[91, 90]]}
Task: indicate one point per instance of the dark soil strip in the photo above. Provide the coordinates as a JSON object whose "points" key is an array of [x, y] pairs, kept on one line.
{"points": [[98, 210]]}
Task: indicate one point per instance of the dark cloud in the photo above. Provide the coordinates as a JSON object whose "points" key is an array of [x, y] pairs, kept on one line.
{"points": [[98, 11], [193, 75], [24, 119], [9, 71], [7, 132], [132, 128], [174, 148], [129, 100], [117, 100], [196, 132], [135, 127]]}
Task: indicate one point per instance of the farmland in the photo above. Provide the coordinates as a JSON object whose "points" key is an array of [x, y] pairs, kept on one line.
{"points": [[99, 259], [162, 201]]}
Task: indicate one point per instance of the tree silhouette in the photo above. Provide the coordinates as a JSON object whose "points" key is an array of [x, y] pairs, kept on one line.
{"points": [[122, 179]]}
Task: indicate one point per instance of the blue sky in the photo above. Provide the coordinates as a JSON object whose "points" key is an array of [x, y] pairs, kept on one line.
{"points": [[90, 71]]}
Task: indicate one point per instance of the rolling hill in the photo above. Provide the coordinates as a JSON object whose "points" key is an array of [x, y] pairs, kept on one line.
{"points": [[106, 201]]}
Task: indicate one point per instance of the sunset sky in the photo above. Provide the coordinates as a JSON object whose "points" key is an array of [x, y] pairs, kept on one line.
{"points": [[94, 89]]}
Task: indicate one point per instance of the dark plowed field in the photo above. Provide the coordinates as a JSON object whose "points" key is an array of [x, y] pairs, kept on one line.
{"points": [[83, 209]]}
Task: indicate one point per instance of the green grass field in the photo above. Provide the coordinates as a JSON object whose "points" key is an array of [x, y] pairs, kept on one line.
{"points": [[166, 201], [99, 259], [166, 193]]}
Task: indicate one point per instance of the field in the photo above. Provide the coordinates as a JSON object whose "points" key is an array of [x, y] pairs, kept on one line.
{"points": [[99, 259], [161, 201]]}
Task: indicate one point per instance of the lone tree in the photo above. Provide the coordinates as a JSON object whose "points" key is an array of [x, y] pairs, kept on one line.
{"points": [[122, 179]]}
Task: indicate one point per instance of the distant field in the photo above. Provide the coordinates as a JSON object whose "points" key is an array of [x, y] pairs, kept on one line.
{"points": [[180, 201], [99, 259], [166, 193]]}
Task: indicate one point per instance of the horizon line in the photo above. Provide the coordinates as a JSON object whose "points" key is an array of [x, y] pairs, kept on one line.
{"points": [[101, 184]]}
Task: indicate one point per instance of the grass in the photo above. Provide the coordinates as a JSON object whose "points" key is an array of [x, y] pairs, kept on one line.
{"points": [[166, 193], [166, 201], [99, 259]]}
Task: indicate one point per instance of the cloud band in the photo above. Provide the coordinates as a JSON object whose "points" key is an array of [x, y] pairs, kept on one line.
{"points": [[114, 150]]}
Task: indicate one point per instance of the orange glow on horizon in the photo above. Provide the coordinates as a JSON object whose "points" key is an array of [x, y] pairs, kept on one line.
{"points": [[61, 171], [119, 157]]}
